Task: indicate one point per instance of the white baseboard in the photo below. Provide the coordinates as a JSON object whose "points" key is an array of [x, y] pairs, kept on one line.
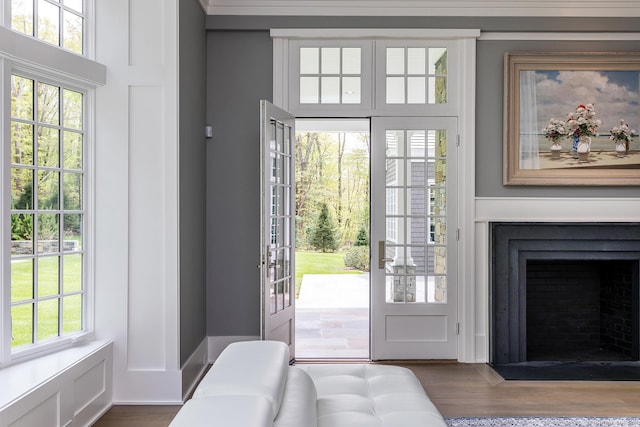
{"points": [[194, 367], [217, 344]]}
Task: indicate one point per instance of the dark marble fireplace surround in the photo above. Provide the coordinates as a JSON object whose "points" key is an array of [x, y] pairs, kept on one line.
{"points": [[564, 291]]}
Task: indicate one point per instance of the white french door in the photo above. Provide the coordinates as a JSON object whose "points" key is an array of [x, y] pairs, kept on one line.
{"points": [[277, 136], [413, 238]]}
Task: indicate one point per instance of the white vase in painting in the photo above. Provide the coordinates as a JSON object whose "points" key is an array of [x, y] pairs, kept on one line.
{"points": [[555, 150], [584, 147], [621, 148]]}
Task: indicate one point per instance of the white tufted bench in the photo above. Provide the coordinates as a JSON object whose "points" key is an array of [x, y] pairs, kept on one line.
{"points": [[252, 385], [371, 395]]}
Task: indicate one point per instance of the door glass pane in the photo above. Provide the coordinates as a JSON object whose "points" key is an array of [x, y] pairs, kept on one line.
{"points": [[395, 60], [416, 90], [72, 232], [395, 90], [330, 60], [438, 61], [309, 60], [22, 188], [416, 61], [416, 216], [351, 60], [395, 143], [437, 90], [330, 90], [351, 90], [309, 90]]}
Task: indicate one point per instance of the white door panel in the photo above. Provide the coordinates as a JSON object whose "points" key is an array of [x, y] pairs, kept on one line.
{"points": [[277, 225], [413, 234]]}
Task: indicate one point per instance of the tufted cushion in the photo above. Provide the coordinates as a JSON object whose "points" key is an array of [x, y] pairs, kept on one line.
{"points": [[299, 404], [249, 368], [225, 411], [371, 396]]}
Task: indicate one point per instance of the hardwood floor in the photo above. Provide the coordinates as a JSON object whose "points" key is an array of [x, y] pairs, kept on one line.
{"points": [[466, 390]]}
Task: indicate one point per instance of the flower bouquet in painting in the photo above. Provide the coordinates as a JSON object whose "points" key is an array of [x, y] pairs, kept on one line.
{"points": [[582, 125], [555, 131], [621, 135]]}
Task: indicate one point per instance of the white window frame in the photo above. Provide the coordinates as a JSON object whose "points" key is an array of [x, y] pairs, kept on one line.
{"points": [[450, 108], [366, 48], [26, 56], [88, 39]]}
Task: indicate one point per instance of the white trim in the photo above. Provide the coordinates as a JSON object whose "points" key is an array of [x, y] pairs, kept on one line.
{"points": [[589, 35], [40, 55], [467, 349], [83, 371], [553, 209], [530, 209], [542, 8], [374, 33], [5, 212], [193, 368]]}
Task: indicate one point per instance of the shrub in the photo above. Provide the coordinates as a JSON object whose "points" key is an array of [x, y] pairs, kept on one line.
{"points": [[357, 257], [362, 239]]}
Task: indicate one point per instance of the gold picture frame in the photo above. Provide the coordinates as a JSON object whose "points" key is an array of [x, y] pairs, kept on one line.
{"points": [[567, 87]]}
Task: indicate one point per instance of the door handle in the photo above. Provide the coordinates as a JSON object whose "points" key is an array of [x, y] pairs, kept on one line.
{"points": [[381, 252]]}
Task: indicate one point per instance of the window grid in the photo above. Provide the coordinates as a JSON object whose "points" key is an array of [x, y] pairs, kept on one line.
{"points": [[330, 75], [416, 75], [61, 23], [47, 212], [416, 216]]}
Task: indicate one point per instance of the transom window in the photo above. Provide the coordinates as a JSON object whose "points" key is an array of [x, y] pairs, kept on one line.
{"points": [[416, 75], [59, 22], [330, 75], [47, 211]]}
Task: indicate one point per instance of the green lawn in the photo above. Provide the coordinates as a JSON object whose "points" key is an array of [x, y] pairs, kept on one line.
{"points": [[320, 263], [48, 311]]}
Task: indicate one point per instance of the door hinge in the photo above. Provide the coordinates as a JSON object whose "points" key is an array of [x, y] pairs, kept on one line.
{"points": [[458, 140], [458, 328], [457, 234]]}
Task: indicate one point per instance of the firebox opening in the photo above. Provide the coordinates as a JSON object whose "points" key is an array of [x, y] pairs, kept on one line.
{"points": [[579, 310]]}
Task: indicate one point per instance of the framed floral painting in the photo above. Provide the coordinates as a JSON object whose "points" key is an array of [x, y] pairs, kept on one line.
{"points": [[572, 119]]}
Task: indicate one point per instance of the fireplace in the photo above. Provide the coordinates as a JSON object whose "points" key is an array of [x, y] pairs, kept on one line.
{"points": [[565, 292]]}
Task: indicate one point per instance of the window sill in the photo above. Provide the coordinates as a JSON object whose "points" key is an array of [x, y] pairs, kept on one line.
{"points": [[23, 378]]}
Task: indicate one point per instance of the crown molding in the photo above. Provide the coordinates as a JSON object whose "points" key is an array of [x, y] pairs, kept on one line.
{"points": [[477, 8]]}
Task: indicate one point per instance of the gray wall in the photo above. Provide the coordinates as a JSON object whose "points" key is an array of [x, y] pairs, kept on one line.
{"points": [[240, 73], [192, 146]]}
